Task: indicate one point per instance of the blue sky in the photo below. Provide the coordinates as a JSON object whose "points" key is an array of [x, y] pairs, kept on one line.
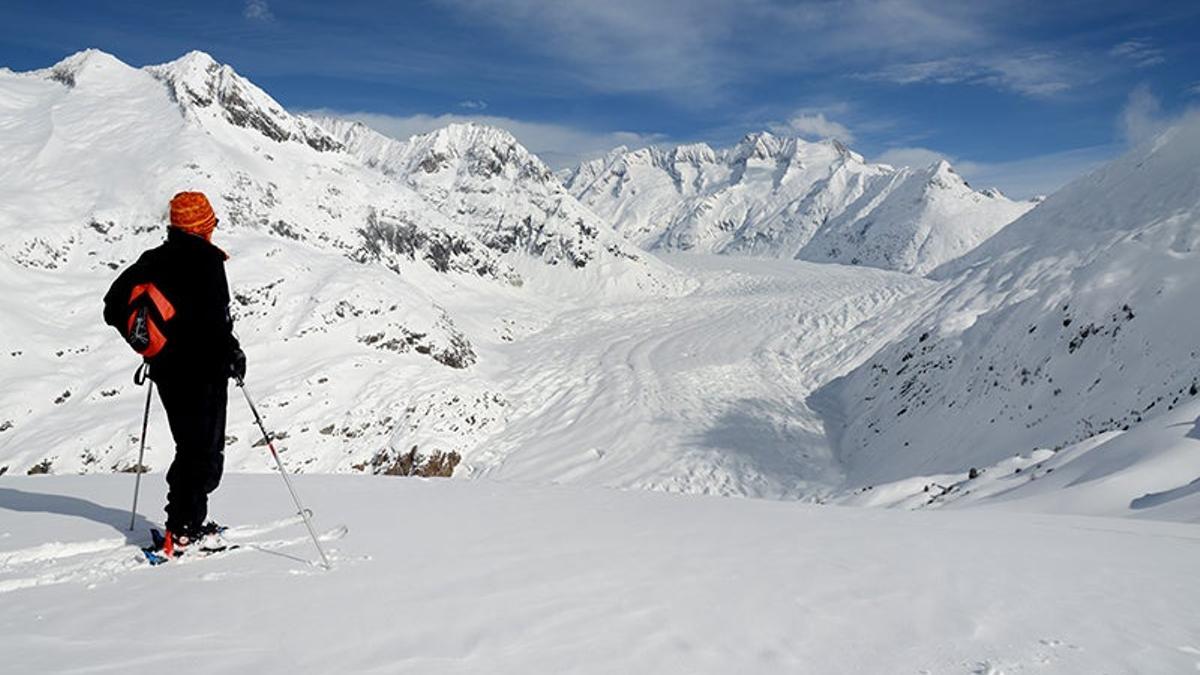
{"points": [[1019, 94]]}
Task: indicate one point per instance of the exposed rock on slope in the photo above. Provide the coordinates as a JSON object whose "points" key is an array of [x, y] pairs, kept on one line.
{"points": [[482, 177]]}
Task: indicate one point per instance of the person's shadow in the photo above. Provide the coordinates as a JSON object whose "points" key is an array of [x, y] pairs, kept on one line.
{"points": [[36, 502]]}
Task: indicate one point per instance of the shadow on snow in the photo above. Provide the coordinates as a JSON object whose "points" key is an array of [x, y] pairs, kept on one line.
{"points": [[35, 502]]}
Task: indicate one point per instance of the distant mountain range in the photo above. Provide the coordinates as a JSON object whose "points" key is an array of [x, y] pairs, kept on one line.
{"points": [[790, 198]]}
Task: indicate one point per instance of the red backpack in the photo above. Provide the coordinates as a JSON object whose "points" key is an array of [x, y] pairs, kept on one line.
{"points": [[149, 312]]}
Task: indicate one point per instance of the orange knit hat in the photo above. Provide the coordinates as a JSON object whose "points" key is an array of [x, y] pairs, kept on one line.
{"points": [[191, 212]]}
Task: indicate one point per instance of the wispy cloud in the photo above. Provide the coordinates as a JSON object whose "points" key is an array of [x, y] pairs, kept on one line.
{"points": [[1143, 116], [915, 157], [1038, 174], [696, 48], [472, 104], [1141, 119], [558, 145], [1036, 74], [619, 45], [1194, 89], [1139, 51], [258, 10], [813, 125]]}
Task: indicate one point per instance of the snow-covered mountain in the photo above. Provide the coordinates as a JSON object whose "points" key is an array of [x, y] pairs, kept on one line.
{"points": [[790, 198], [483, 177], [363, 301], [448, 293], [1074, 323]]}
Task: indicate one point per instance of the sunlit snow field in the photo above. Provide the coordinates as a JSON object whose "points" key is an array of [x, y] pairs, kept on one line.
{"points": [[485, 577]]}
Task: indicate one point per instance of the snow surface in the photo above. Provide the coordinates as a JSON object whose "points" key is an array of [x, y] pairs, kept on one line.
{"points": [[790, 198], [1076, 320], [704, 393], [1029, 411], [469, 577]]}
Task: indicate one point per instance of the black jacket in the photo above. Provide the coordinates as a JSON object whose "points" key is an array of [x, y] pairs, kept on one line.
{"points": [[190, 272]]}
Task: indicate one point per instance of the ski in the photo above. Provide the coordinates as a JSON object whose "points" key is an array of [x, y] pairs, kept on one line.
{"points": [[155, 554]]}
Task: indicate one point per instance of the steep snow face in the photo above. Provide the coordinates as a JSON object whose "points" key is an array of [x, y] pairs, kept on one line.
{"points": [[1076, 320], [363, 304], [482, 177], [914, 222], [208, 91], [785, 197]]}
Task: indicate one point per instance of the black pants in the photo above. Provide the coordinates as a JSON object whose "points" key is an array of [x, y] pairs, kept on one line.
{"points": [[196, 412]]}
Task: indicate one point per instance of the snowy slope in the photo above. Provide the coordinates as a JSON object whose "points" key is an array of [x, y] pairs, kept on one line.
{"points": [[701, 394], [789, 198], [1149, 471], [363, 303], [1076, 320], [470, 577]]}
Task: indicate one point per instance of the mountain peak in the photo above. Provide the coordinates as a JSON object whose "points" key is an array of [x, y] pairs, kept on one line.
{"points": [[844, 150], [196, 58], [486, 149], [758, 145], [694, 153], [463, 135], [942, 174], [84, 65], [207, 91]]}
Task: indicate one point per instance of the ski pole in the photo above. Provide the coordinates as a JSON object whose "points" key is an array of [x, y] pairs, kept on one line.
{"points": [[286, 479], [140, 378]]}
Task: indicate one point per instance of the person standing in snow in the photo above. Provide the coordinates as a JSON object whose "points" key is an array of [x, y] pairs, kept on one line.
{"points": [[172, 305]]}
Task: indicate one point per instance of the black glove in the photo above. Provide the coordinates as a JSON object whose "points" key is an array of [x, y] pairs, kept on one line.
{"points": [[237, 364]]}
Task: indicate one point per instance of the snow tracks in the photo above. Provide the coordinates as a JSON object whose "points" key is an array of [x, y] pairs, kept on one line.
{"points": [[702, 394]]}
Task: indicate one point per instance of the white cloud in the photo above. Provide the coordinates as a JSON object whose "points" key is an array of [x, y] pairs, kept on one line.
{"points": [[620, 45], [1140, 51], [471, 104], [691, 49], [1142, 117], [1194, 89], [911, 157], [1029, 73], [815, 126], [258, 10], [558, 145]]}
